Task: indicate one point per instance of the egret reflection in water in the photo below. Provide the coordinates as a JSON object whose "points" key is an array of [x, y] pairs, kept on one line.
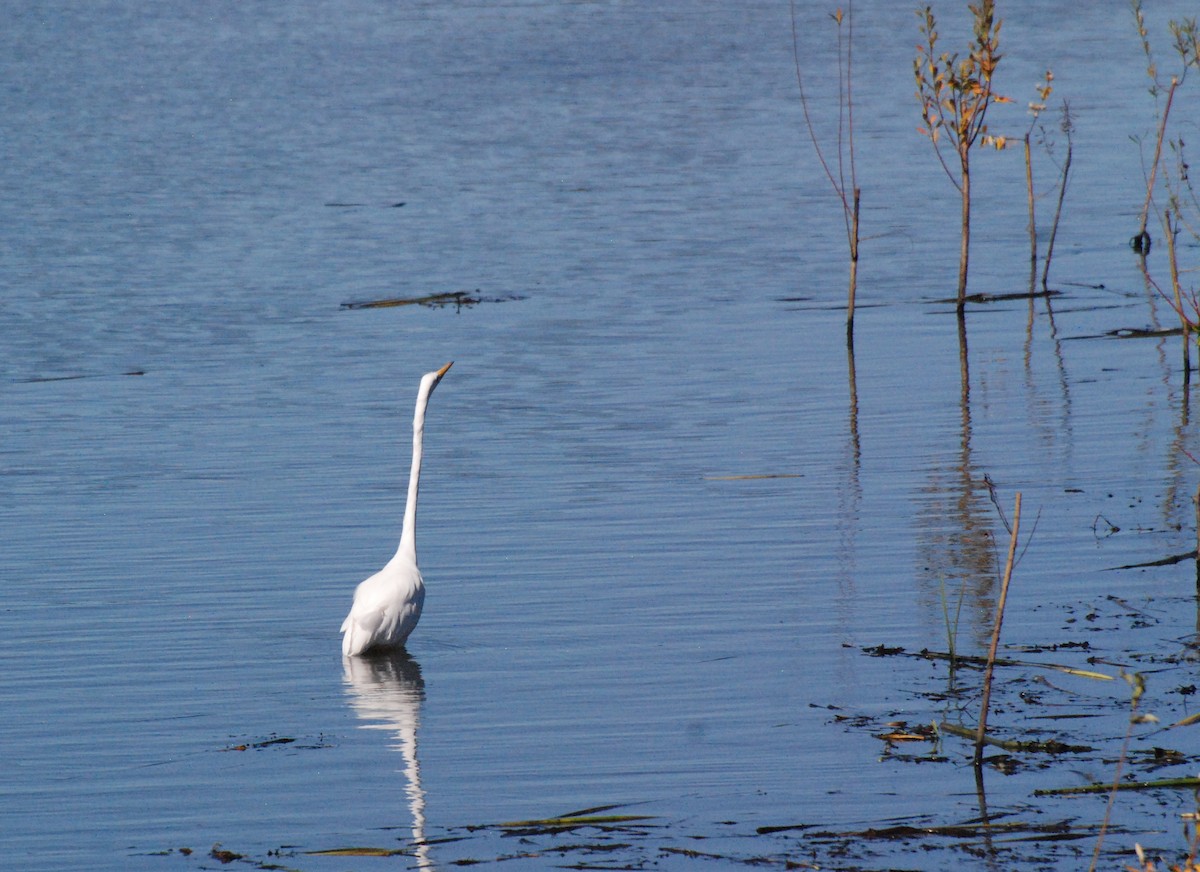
{"points": [[386, 691]]}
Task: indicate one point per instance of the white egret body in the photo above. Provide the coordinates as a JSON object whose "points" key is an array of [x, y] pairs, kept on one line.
{"points": [[388, 605]]}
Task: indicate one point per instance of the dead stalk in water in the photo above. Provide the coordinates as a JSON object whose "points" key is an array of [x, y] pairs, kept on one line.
{"points": [[1196, 500], [1066, 126], [1171, 231], [985, 702], [845, 180], [1032, 217], [1035, 109], [1137, 686]]}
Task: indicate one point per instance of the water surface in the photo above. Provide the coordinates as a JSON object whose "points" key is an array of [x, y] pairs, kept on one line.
{"points": [[659, 520]]}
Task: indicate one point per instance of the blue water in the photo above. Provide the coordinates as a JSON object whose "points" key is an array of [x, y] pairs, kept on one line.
{"points": [[658, 521]]}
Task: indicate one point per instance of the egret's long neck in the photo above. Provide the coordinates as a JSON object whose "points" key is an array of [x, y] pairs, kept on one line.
{"points": [[408, 536]]}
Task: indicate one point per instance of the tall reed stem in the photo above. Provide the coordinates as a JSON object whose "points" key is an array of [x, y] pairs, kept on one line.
{"points": [[1137, 686], [853, 240], [1171, 229], [1196, 500], [964, 253], [1158, 144], [985, 703], [1062, 193], [1032, 216]]}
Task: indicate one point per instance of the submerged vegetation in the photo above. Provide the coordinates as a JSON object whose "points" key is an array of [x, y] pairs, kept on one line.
{"points": [[1062, 716]]}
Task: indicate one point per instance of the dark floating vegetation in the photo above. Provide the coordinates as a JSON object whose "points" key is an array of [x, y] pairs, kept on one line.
{"points": [[1135, 333], [1003, 298], [358, 852], [222, 856], [441, 300], [274, 741], [968, 830], [348, 205], [1169, 560], [77, 376], [573, 820], [1158, 784], [265, 743]]}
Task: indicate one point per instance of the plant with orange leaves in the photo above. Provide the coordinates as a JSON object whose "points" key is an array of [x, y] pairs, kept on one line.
{"points": [[955, 95]]}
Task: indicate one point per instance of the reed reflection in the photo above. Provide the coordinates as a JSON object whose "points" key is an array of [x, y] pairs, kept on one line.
{"points": [[386, 691], [850, 494], [955, 526]]}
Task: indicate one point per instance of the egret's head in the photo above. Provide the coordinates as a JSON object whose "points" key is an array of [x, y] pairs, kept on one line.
{"points": [[430, 380], [437, 376]]}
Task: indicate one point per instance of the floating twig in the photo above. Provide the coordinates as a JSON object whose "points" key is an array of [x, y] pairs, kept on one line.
{"points": [[980, 662], [1158, 784], [1040, 746]]}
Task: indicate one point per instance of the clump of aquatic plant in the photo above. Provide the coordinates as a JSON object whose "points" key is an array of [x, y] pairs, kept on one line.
{"points": [[955, 94], [842, 175], [1190, 863], [1066, 126], [951, 624], [1187, 46]]}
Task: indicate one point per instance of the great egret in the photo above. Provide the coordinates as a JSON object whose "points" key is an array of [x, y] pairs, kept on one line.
{"points": [[388, 605]]}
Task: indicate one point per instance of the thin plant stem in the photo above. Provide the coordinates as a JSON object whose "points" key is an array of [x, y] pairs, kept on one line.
{"points": [[1196, 500], [850, 96], [1062, 193], [964, 253], [1138, 683], [852, 229], [950, 629], [986, 700], [1032, 216], [808, 122], [845, 141], [1171, 229], [952, 625], [853, 239], [1158, 144]]}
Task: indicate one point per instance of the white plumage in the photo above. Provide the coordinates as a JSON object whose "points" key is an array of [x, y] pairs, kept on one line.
{"points": [[388, 605]]}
